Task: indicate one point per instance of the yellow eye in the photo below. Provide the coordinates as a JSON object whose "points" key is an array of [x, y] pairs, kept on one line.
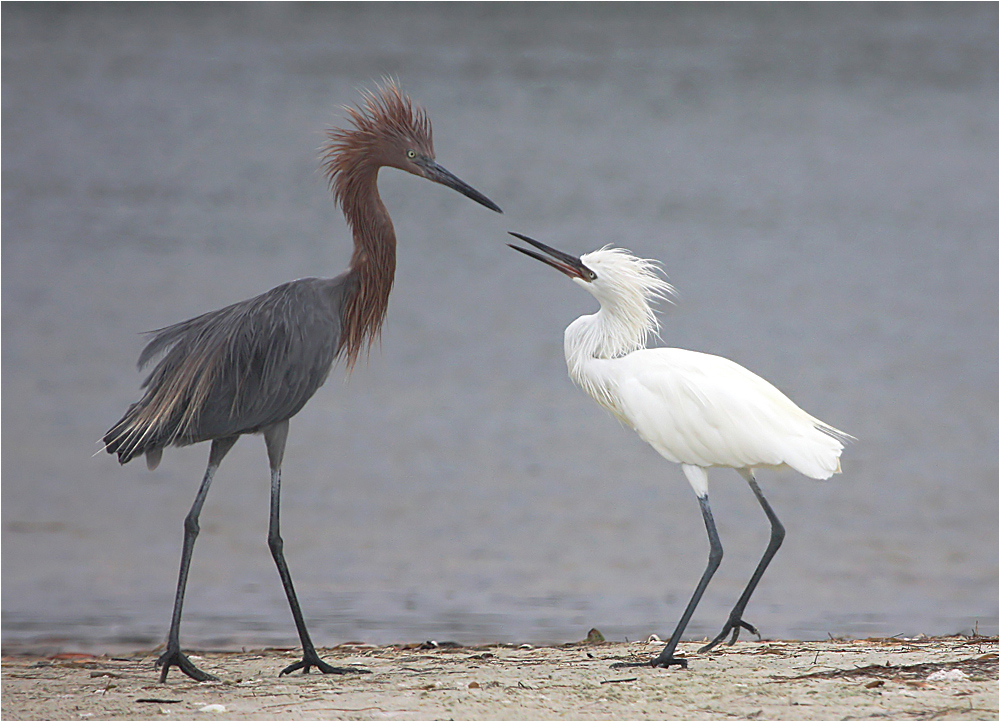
{"points": [[411, 154]]}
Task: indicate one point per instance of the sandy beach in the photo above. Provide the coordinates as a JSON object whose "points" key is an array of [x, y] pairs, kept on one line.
{"points": [[923, 678]]}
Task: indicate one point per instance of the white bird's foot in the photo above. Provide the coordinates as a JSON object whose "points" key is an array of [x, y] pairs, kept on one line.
{"points": [[311, 659], [734, 625]]}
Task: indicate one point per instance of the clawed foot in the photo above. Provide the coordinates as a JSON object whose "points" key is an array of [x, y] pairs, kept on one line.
{"points": [[176, 658], [661, 661], [668, 661], [310, 660], [734, 625]]}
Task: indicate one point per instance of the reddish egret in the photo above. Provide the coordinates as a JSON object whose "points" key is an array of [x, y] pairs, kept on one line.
{"points": [[248, 368], [695, 409]]}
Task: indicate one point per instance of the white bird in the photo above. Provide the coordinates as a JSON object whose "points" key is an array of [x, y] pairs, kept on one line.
{"points": [[695, 409]]}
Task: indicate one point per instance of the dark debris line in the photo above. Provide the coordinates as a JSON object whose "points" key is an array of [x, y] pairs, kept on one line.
{"points": [[979, 669]]}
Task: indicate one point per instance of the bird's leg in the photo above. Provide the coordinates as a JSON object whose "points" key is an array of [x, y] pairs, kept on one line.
{"points": [[172, 656], [667, 657], [275, 437], [735, 622]]}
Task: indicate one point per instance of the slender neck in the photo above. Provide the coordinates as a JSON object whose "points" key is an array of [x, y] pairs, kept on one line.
{"points": [[610, 333], [373, 262]]}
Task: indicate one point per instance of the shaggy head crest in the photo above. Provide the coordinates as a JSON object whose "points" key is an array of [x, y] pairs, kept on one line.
{"points": [[386, 127], [627, 287]]}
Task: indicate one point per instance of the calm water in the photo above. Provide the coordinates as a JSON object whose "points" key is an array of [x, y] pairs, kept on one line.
{"points": [[820, 184]]}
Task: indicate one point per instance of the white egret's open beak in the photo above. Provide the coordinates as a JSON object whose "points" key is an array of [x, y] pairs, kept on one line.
{"points": [[570, 265]]}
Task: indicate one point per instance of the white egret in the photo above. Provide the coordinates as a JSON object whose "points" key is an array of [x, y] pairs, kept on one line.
{"points": [[695, 409]]}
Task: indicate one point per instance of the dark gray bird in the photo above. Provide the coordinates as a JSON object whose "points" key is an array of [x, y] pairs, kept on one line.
{"points": [[248, 368]]}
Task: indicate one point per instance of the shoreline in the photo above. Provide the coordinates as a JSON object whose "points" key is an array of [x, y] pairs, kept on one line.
{"points": [[922, 678]]}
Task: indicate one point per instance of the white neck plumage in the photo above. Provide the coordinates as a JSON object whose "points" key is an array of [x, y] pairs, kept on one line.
{"points": [[609, 333], [626, 287]]}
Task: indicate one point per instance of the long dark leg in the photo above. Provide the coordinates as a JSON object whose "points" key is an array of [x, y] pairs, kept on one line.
{"points": [[667, 657], [173, 657], [735, 622], [275, 437]]}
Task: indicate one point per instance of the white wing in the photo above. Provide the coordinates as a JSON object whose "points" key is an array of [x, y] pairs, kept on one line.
{"points": [[695, 408]]}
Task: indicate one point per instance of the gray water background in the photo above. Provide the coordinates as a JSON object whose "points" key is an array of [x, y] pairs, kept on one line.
{"points": [[820, 183]]}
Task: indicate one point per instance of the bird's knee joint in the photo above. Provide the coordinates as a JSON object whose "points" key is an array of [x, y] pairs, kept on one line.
{"points": [[275, 543]]}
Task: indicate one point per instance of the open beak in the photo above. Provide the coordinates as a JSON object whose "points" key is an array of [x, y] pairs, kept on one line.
{"points": [[432, 171], [570, 265]]}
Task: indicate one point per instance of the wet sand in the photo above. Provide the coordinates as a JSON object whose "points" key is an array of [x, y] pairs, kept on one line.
{"points": [[923, 678]]}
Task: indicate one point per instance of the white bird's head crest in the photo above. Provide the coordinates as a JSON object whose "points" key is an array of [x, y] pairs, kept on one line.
{"points": [[624, 280], [626, 287]]}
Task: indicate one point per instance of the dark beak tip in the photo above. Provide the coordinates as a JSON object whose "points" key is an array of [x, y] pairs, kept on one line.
{"points": [[486, 202], [438, 174], [479, 198], [567, 264]]}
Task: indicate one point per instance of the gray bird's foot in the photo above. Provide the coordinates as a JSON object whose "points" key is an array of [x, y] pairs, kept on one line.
{"points": [[668, 661], [173, 657], [734, 625], [660, 661], [312, 660]]}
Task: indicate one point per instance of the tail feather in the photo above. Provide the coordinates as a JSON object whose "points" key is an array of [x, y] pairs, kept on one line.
{"points": [[153, 457], [130, 438], [175, 389], [819, 459], [842, 436]]}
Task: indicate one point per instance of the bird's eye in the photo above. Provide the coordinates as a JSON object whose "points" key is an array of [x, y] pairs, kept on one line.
{"points": [[411, 154]]}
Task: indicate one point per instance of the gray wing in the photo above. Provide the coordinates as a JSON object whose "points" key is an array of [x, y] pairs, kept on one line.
{"points": [[236, 370]]}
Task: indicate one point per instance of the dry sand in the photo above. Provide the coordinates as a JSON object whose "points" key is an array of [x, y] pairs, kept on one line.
{"points": [[924, 678]]}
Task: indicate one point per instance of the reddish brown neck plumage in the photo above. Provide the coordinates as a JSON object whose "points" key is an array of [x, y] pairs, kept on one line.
{"points": [[373, 261], [384, 126]]}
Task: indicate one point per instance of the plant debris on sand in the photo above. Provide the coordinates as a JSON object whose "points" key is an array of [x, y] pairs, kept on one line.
{"points": [[922, 678]]}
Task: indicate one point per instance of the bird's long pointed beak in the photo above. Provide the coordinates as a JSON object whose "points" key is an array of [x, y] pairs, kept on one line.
{"points": [[438, 174], [570, 265]]}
